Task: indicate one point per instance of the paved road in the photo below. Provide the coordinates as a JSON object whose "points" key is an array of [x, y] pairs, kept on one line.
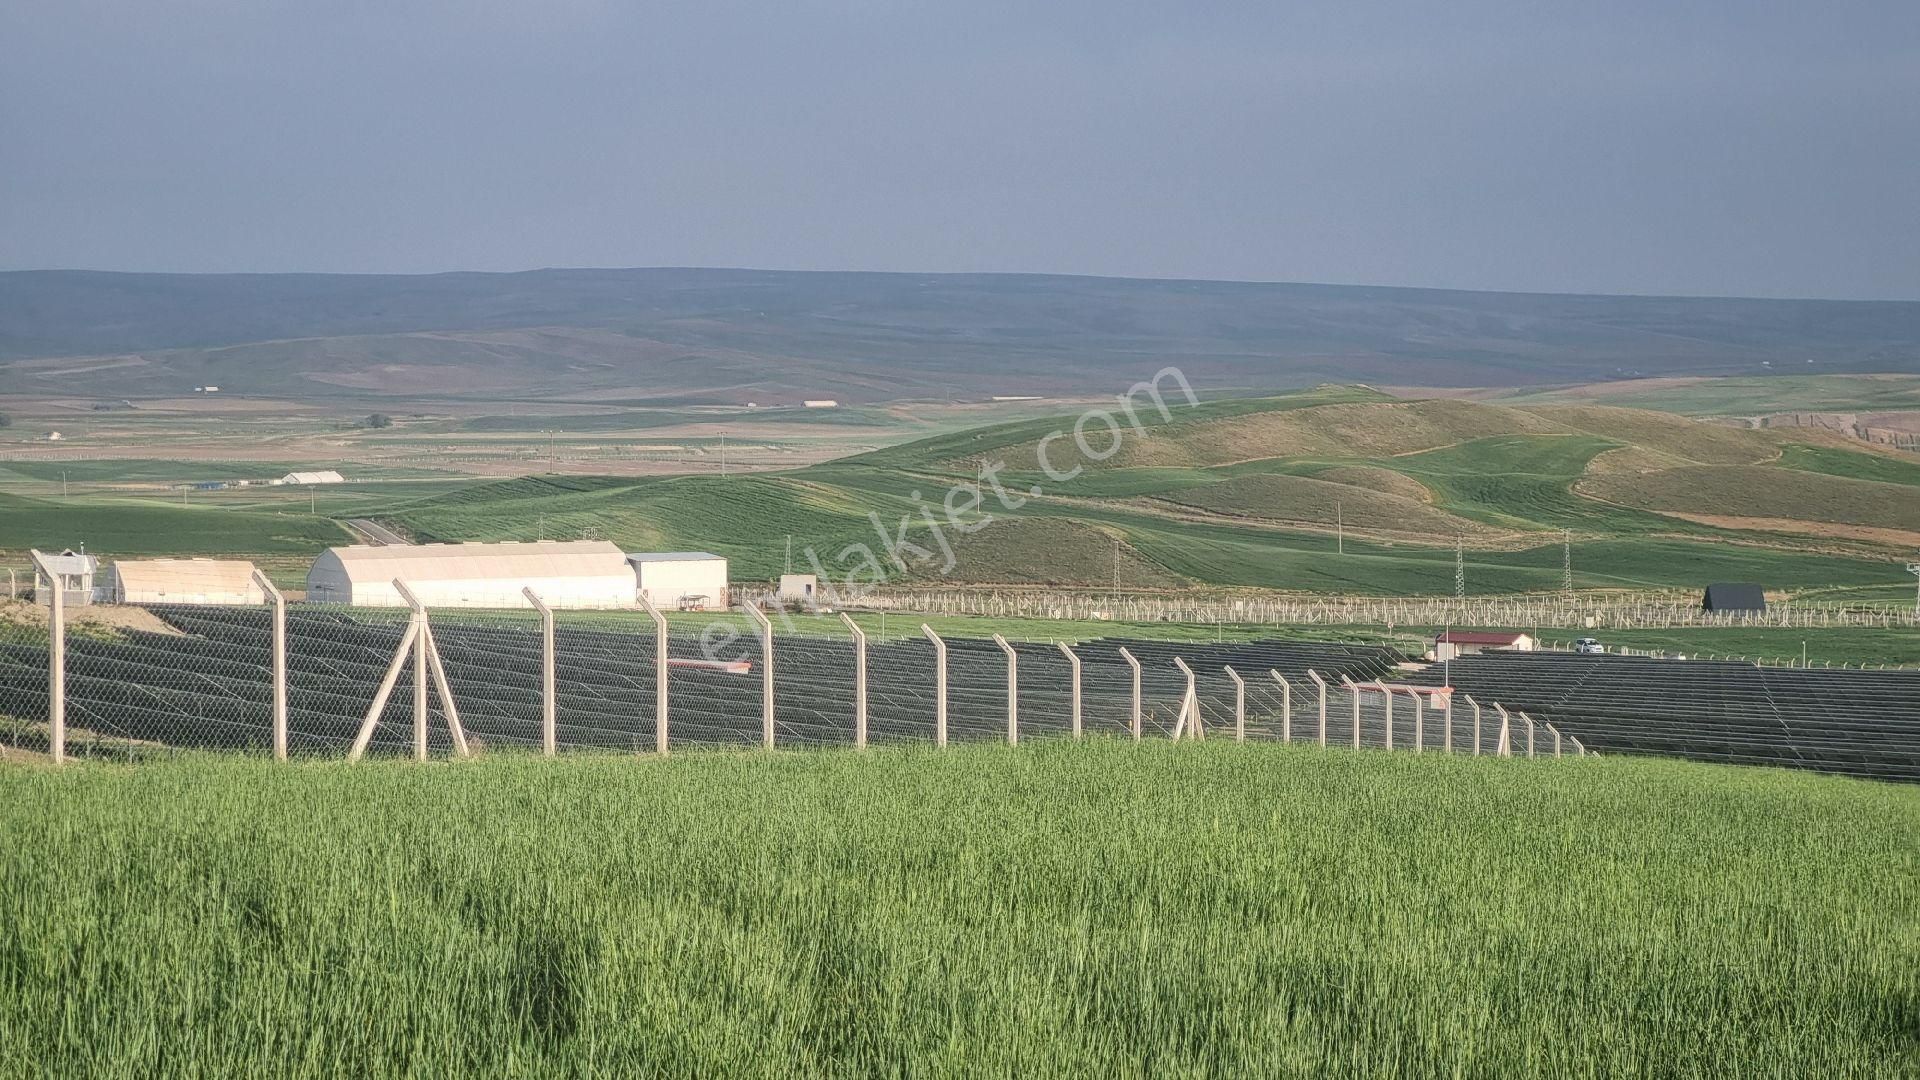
{"points": [[375, 533]]}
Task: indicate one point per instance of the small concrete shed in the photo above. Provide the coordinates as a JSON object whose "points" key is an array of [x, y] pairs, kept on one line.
{"points": [[183, 581]]}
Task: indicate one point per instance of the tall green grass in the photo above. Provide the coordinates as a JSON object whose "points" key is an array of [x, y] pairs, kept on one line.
{"points": [[1055, 910]]}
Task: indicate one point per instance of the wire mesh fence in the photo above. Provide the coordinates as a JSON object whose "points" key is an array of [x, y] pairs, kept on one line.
{"points": [[323, 681]]}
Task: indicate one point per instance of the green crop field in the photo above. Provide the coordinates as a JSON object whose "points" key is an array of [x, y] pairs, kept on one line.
{"points": [[1092, 910]]}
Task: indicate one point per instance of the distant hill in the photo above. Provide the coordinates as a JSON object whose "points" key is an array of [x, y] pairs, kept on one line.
{"points": [[683, 335]]}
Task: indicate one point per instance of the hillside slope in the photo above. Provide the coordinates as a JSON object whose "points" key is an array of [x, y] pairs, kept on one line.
{"points": [[734, 335]]}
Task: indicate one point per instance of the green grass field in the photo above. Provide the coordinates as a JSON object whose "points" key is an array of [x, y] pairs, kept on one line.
{"points": [[1057, 910]]}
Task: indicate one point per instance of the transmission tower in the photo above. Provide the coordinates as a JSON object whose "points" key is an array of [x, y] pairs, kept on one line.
{"points": [[1459, 570], [1566, 565]]}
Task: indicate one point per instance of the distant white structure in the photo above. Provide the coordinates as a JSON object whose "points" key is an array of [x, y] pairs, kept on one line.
{"points": [[798, 588], [1453, 643], [821, 403], [687, 580], [75, 571], [206, 389], [1016, 397], [182, 581], [324, 476], [566, 574], [54, 436]]}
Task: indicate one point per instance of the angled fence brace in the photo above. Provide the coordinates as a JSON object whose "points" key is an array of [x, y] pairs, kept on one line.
{"points": [[279, 664], [1286, 705], [1322, 684], [549, 707], [766, 671], [939, 685], [660, 742], [1504, 747], [1013, 690], [1135, 665], [56, 661], [385, 691], [859, 681], [1073, 667], [1239, 704], [1189, 706], [455, 730]]}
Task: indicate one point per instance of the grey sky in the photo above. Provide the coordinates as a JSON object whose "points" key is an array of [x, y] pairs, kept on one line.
{"points": [[1757, 148]]}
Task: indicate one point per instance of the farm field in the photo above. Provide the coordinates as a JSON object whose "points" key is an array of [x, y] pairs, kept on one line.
{"points": [[1338, 489], [1218, 909]]}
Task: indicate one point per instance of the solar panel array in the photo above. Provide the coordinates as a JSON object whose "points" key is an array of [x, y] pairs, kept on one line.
{"points": [[1860, 723], [204, 682]]}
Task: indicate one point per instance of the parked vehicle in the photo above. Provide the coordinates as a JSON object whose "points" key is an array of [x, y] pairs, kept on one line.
{"points": [[1589, 646]]}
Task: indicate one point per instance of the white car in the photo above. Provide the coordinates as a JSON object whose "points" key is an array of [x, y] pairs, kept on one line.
{"points": [[1589, 646]]}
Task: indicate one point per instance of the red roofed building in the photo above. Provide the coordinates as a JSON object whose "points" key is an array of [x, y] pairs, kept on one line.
{"points": [[1454, 643]]}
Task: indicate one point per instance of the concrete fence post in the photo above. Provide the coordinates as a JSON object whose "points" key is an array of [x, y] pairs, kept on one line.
{"points": [[1389, 696], [1135, 665], [660, 729], [549, 676], [939, 685], [1447, 737], [1286, 706], [1189, 721], [427, 666], [1353, 689], [1073, 668], [1555, 732], [766, 671], [1013, 690], [56, 661], [1239, 704], [1476, 724], [279, 664], [1504, 747], [1322, 684], [859, 681], [1528, 720], [1419, 721], [1579, 749]]}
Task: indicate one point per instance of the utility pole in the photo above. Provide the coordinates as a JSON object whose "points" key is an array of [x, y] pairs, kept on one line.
{"points": [[789, 553], [1339, 529], [1914, 569], [63, 485], [723, 455], [1116, 566]]}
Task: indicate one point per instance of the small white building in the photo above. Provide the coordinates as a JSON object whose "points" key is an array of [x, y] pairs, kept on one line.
{"points": [[565, 574], [182, 581], [1455, 643], [798, 588], [821, 403], [54, 436], [75, 571], [324, 476], [684, 580]]}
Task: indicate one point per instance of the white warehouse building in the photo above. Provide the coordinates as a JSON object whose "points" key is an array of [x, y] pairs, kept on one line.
{"points": [[183, 581], [565, 574], [681, 579]]}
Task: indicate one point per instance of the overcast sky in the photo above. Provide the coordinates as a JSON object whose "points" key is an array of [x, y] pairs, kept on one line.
{"points": [[1747, 147]]}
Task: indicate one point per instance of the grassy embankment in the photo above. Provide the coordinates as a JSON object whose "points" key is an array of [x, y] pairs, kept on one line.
{"points": [[1090, 910]]}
